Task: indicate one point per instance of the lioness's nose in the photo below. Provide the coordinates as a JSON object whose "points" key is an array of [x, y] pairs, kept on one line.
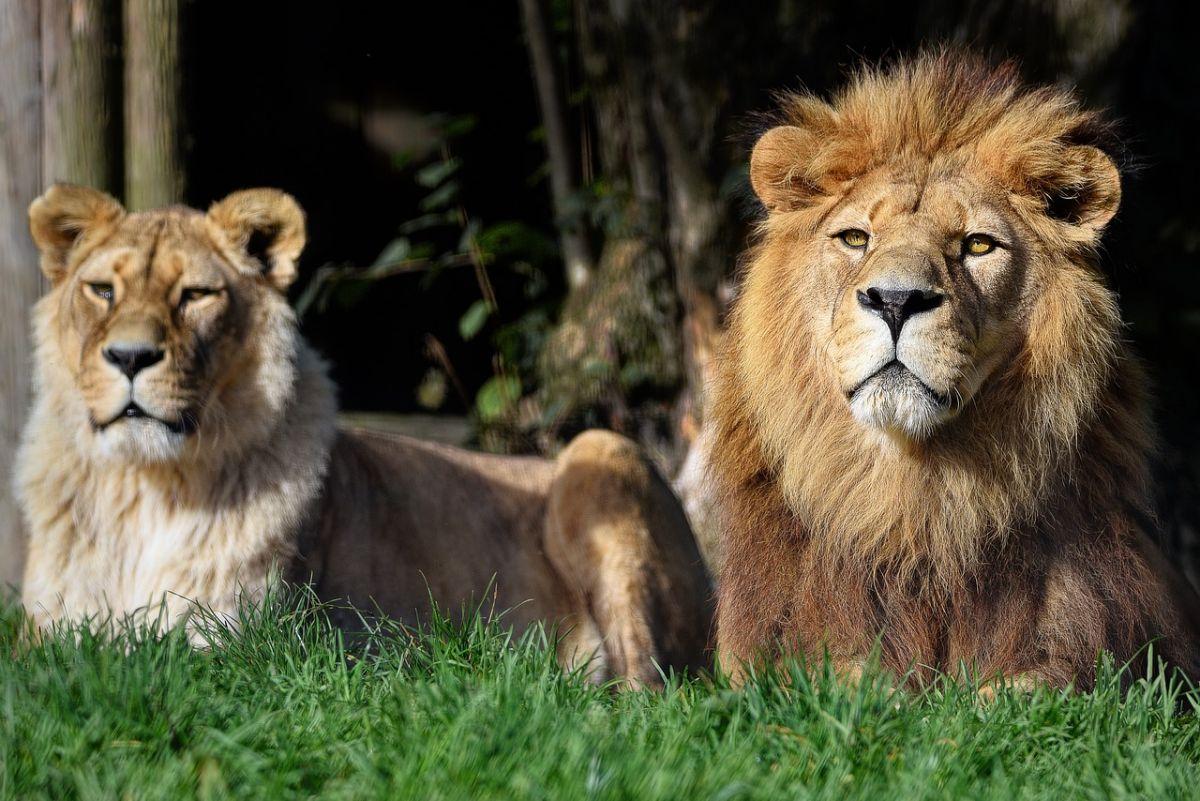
{"points": [[895, 306], [132, 358]]}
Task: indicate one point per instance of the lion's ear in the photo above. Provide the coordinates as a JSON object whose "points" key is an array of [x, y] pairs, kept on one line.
{"points": [[777, 168], [1086, 191], [63, 216], [268, 226]]}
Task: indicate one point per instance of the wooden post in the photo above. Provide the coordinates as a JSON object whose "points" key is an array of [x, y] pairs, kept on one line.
{"points": [[20, 183], [79, 93], [153, 106]]}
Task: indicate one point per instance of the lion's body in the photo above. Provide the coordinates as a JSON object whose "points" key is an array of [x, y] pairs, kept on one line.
{"points": [[249, 478], [1041, 600], [967, 484]]}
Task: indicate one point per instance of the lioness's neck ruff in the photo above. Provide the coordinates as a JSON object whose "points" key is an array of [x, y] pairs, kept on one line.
{"points": [[117, 536]]}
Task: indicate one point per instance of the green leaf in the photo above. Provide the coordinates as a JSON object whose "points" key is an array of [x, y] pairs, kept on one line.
{"points": [[468, 236], [458, 126], [402, 159], [497, 396], [441, 197], [315, 290], [434, 174], [428, 221], [396, 251], [514, 239], [431, 392], [472, 322]]}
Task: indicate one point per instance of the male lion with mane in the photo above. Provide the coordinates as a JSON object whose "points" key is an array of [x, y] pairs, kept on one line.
{"points": [[930, 434], [182, 446]]}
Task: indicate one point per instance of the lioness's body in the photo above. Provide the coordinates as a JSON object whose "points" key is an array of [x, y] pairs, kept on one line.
{"points": [[491, 507], [182, 448], [590, 540]]}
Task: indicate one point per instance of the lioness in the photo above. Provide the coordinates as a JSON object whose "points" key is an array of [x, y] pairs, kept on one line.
{"points": [[930, 431], [182, 443]]}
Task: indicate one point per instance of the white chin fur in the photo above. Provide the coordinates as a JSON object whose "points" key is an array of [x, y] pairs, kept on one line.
{"points": [[139, 440], [898, 404]]}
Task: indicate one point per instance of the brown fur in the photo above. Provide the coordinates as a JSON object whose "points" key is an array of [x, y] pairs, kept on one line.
{"points": [[983, 497], [218, 465]]}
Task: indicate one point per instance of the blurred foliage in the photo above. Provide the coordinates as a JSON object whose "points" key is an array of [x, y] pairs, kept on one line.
{"points": [[419, 247], [613, 350], [601, 357]]}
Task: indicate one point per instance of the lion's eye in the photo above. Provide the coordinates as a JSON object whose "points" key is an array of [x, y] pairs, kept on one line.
{"points": [[196, 293], [102, 291], [854, 238], [978, 244]]}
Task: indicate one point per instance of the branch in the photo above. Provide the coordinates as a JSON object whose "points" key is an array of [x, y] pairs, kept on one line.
{"points": [[573, 241]]}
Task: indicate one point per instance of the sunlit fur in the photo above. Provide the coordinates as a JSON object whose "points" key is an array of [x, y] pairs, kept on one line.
{"points": [[122, 510], [1016, 429], [236, 474]]}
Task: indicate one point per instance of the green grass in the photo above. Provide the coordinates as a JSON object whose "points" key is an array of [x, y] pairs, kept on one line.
{"points": [[284, 710]]}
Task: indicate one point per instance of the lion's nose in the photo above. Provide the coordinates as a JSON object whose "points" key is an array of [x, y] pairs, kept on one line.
{"points": [[895, 306], [131, 359]]}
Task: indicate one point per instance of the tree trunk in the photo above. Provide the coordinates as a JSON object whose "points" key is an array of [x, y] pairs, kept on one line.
{"points": [[154, 173], [564, 170], [79, 93], [618, 337], [687, 118], [20, 182], [660, 106]]}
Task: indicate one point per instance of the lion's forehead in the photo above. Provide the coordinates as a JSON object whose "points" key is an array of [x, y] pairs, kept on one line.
{"points": [[940, 206], [156, 253]]}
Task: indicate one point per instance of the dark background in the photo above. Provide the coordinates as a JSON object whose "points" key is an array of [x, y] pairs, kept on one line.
{"points": [[279, 99], [341, 104]]}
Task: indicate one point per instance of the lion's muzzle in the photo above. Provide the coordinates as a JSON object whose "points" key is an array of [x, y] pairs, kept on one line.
{"points": [[896, 306], [132, 358], [893, 374]]}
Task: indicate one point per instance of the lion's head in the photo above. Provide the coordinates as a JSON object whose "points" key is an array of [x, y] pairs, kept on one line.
{"points": [[922, 333], [166, 334]]}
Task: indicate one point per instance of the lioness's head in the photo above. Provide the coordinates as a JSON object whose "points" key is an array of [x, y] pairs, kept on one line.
{"points": [[166, 332], [923, 228]]}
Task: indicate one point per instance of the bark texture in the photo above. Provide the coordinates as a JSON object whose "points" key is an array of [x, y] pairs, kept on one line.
{"points": [[80, 95], [20, 182], [154, 174], [635, 344]]}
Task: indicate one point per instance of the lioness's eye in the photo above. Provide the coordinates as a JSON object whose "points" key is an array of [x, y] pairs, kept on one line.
{"points": [[854, 238], [978, 244], [196, 293], [102, 291]]}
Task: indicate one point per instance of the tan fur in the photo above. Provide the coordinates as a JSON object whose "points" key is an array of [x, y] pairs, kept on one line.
{"points": [[230, 470], [975, 488]]}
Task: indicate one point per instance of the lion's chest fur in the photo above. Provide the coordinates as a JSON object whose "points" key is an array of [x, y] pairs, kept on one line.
{"points": [[113, 537], [116, 540], [1073, 575], [1042, 602]]}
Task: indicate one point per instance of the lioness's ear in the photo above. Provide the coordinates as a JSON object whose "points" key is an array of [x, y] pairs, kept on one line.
{"points": [[777, 168], [63, 216], [1086, 191], [268, 226]]}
